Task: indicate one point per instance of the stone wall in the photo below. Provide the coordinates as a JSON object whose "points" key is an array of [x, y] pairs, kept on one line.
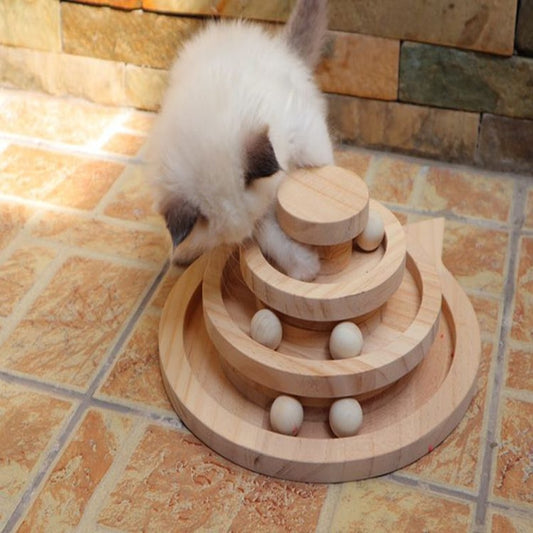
{"points": [[447, 79]]}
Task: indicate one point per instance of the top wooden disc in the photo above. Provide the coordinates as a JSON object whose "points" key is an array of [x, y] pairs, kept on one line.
{"points": [[323, 206]]}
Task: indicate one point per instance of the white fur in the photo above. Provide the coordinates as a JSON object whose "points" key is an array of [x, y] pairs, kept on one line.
{"points": [[231, 80]]}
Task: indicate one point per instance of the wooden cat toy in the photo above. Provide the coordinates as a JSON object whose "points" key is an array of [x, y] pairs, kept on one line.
{"points": [[408, 383]]}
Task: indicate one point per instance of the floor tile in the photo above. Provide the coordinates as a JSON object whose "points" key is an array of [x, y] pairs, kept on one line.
{"points": [[29, 422], [61, 502], [455, 462], [54, 177], [476, 256], [167, 283], [91, 233], [507, 522], [280, 506], [519, 367], [13, 218], [19, 272], [380, 505], [124, 143], [353, 160], [393, 180], [174, 483], [528, 221], [132, 199], [513, 479], [467, 193], [522, 329], [74, 322], [488, 314], [66, 120], [136, 377], [140, 121]]}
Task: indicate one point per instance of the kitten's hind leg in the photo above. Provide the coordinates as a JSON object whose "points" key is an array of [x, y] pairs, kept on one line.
{"points": [[296, 260]]}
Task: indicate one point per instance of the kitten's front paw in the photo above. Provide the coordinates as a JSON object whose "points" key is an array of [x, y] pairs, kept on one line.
{"points": [[305, 265]]}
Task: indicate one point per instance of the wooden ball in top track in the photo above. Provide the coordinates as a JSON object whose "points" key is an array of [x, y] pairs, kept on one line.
{"points": [[322, 206], [370, 238], [266, 328]]}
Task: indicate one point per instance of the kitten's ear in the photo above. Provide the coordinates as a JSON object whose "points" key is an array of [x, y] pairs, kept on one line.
{"points": [[180, 217], [260, 159]]}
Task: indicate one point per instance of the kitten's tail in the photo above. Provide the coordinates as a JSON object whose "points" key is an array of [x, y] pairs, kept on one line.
{"points": [[306, 29]]}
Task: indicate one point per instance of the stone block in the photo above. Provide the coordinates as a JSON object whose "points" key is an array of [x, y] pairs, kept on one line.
{"points": [[506, 144], [145, 86], [524, 27], [146, 39], [421, 131], [486, 25], [121, 4], [62, 74], [273, 10], [446, 77], [360, 65], [30, 24]]}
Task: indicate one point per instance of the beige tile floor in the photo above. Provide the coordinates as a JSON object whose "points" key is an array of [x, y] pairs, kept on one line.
{"points": [[89, 441]]}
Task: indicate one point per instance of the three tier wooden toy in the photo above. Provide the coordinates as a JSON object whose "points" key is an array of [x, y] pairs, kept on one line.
{"points": [[414, 378]]}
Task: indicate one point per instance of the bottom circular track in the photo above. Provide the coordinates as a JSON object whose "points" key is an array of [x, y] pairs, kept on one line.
{"points": [[400, 425]]}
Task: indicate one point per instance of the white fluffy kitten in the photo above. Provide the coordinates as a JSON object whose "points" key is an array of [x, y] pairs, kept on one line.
{"points": [[240, 111]]}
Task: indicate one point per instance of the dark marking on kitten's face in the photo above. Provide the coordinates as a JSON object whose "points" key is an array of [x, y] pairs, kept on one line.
{"points": [[180, 217], [260, 159]]}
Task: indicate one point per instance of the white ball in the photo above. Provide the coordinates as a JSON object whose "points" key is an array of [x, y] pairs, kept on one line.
{"points": [[370, 238], [346, 340], [345, 417], [286, 415], [266, 329]]}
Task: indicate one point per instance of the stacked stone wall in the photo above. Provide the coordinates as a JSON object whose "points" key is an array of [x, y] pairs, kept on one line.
{"points": [[446, 79]]}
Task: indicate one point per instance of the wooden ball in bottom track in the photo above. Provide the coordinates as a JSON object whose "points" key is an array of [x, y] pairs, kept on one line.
{"points": [[286, 415], [345, 417]]}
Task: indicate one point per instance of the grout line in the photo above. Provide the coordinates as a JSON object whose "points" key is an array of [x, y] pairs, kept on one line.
{"points": [[86, 151], [130, 325], [55, 448], [169, 419], [111, 129], [424, 161], [521, 510], [86, 402], [517, 395], [24, 305], [419, 183], [327, 513], [449, 215], [104, 488], [94, 214], [56, 390], [424, 485], [517, 220], [370, 173]]}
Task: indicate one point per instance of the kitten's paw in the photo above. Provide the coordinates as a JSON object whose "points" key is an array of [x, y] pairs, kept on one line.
{"points": [[305, 265]]}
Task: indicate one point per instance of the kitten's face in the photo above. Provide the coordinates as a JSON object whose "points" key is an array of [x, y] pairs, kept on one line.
{"points": [[224, 201]]}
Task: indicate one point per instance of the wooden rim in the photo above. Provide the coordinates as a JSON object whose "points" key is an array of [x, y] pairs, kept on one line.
{"points": [[357, 294], [391, 447], [322, 206], [323, 378]]}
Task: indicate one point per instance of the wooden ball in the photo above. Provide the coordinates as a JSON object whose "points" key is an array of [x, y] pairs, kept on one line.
{"points": [[346, 340], [345, 417], [370, 238], [266, 329], [286, 415]]}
